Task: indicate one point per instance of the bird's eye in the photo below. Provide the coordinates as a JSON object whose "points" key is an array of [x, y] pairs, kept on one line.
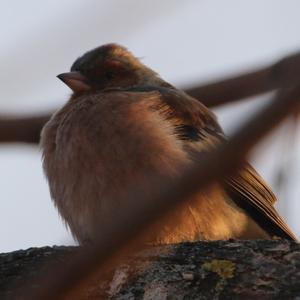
{"points": [[109, 75]]}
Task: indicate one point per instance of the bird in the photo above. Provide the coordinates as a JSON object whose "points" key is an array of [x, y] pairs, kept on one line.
{"points": [[123, 122]]}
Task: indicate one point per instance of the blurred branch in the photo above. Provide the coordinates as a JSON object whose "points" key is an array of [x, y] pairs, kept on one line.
{"points": [[22, 129], [136, 215], [283, 74]]}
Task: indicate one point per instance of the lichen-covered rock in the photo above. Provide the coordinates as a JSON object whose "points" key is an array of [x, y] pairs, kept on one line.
{"points": [[203, 270]]}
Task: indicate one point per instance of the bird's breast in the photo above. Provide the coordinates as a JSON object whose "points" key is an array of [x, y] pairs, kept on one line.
{"points": [[97, 150]]}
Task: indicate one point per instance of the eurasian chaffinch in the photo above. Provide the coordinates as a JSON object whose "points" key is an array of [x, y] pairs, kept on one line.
{"points": [[122, 123]]}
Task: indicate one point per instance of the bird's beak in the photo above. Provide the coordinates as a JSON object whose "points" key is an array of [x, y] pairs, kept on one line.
{"points": [[75, 81]]}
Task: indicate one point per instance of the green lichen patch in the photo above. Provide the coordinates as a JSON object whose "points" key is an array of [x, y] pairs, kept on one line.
{"points": [[224, 268]]}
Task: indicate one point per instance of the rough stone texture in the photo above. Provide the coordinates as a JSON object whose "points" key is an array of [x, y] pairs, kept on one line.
{"points": [[203, 270]]}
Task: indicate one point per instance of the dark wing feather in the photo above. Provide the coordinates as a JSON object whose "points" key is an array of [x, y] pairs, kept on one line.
{"points": [[197, 126], [249, 191]]}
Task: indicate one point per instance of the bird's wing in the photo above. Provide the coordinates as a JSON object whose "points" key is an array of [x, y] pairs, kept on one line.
{"points": [[249, 191], [197, 126]]}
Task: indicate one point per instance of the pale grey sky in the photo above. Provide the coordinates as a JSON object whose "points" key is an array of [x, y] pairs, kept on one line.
{"points": [[185, 41]]}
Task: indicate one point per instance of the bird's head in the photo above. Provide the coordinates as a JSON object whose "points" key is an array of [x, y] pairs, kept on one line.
{"points": [[108, 66]]}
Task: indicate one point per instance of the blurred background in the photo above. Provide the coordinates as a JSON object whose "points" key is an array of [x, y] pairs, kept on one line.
{"points": [[187, 42]]}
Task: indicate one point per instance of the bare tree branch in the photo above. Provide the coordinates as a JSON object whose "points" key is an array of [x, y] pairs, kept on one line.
{"points": [[22, 129], [256, 269], [285, 73]]}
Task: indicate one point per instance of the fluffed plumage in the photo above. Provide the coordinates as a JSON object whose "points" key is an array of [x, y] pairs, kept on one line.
{"points": [[122, 123]]}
